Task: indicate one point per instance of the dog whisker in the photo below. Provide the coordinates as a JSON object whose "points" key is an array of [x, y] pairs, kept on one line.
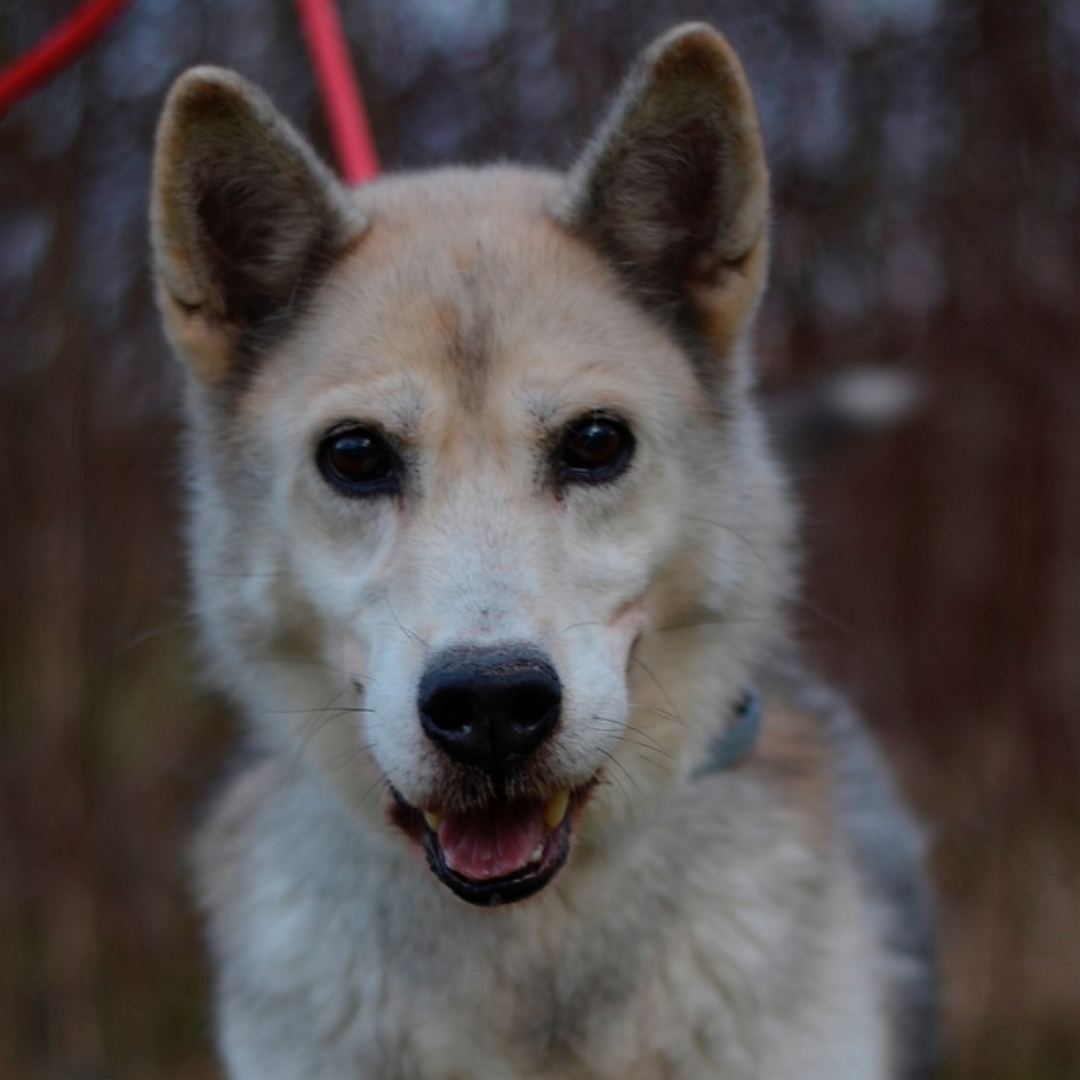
{"points": [[659, 686], [579, 625], [622, 768], [650, 742], [664, 714], [317, 709], [383, 782], [400, 625]]}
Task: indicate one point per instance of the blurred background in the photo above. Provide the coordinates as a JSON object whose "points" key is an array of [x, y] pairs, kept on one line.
{"points": [[927, 181]]}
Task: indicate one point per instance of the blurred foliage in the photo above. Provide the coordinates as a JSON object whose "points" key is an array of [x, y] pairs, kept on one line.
{"points": [[927, 175]]}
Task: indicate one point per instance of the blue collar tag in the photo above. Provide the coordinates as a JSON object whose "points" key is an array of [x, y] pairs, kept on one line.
{"points": [[732, 746]]}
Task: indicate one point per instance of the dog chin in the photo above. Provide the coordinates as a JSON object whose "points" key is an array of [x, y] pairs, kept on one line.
{"points": [[497, 852]]}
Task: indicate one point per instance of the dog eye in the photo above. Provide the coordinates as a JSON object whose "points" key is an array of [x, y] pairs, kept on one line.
{"points": [[358, 461], [594, 449]]}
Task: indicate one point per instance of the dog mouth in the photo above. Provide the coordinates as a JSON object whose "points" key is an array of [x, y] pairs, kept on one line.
{"points": [[497, 853]]}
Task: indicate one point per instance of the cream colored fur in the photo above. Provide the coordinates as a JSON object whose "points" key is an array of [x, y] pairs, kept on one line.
{"points": [[725, 926]]}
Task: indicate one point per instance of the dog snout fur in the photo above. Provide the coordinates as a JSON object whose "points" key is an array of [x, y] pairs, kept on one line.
{"points": [[490, 708]]}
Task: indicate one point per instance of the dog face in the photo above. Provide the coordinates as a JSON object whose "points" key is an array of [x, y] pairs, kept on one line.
{"points": [[472, 449]]}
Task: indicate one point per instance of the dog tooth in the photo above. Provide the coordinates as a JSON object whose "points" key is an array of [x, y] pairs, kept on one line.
{"points": [[537, 853], [555, 810], [433, 820]]}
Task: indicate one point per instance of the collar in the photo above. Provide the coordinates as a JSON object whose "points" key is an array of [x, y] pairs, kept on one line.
{"points": [[732, 746]]}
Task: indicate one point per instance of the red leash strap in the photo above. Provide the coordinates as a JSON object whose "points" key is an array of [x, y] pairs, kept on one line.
{"points": [[340, 90], [60, 47], [326, 44]]}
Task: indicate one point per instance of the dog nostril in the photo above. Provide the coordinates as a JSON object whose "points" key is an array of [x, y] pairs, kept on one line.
{"points": [[489, 708], [528, 707], [449, 710]]}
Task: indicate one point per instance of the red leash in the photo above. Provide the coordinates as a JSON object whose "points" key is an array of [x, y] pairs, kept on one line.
{"points": [[340, 90], [326, 44], [59, 48]]}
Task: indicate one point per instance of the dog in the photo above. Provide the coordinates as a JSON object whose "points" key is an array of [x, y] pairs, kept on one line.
{"points": [[490, 548]]}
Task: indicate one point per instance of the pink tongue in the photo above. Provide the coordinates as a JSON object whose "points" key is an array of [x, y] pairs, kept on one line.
{"points": [[493, 842]]}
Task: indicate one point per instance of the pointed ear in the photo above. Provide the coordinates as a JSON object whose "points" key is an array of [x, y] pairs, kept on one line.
{"points": [[245, 221], [674, 189]]}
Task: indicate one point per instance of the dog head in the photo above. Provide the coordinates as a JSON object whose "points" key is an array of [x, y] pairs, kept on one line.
{"points": [[484, 530]]}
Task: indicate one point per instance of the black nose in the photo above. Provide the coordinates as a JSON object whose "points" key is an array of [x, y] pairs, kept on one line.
{"points": [[489, 708]]}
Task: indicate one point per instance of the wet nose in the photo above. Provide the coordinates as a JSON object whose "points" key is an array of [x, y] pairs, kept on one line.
{"points": [[489, 708]]}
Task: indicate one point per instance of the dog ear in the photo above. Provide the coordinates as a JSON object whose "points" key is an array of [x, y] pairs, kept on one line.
{"points": [[674, 190], [245, 221]]}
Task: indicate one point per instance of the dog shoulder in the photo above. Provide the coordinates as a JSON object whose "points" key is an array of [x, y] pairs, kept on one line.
{"points": [[818, 754]]}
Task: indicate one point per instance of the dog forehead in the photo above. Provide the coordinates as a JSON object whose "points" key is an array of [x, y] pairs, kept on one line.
{"points": [[466, 281], [466, 306]]}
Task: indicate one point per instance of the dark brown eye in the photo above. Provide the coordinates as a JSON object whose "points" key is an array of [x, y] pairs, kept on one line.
{"points": [[594, 449], [358, 461]]}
